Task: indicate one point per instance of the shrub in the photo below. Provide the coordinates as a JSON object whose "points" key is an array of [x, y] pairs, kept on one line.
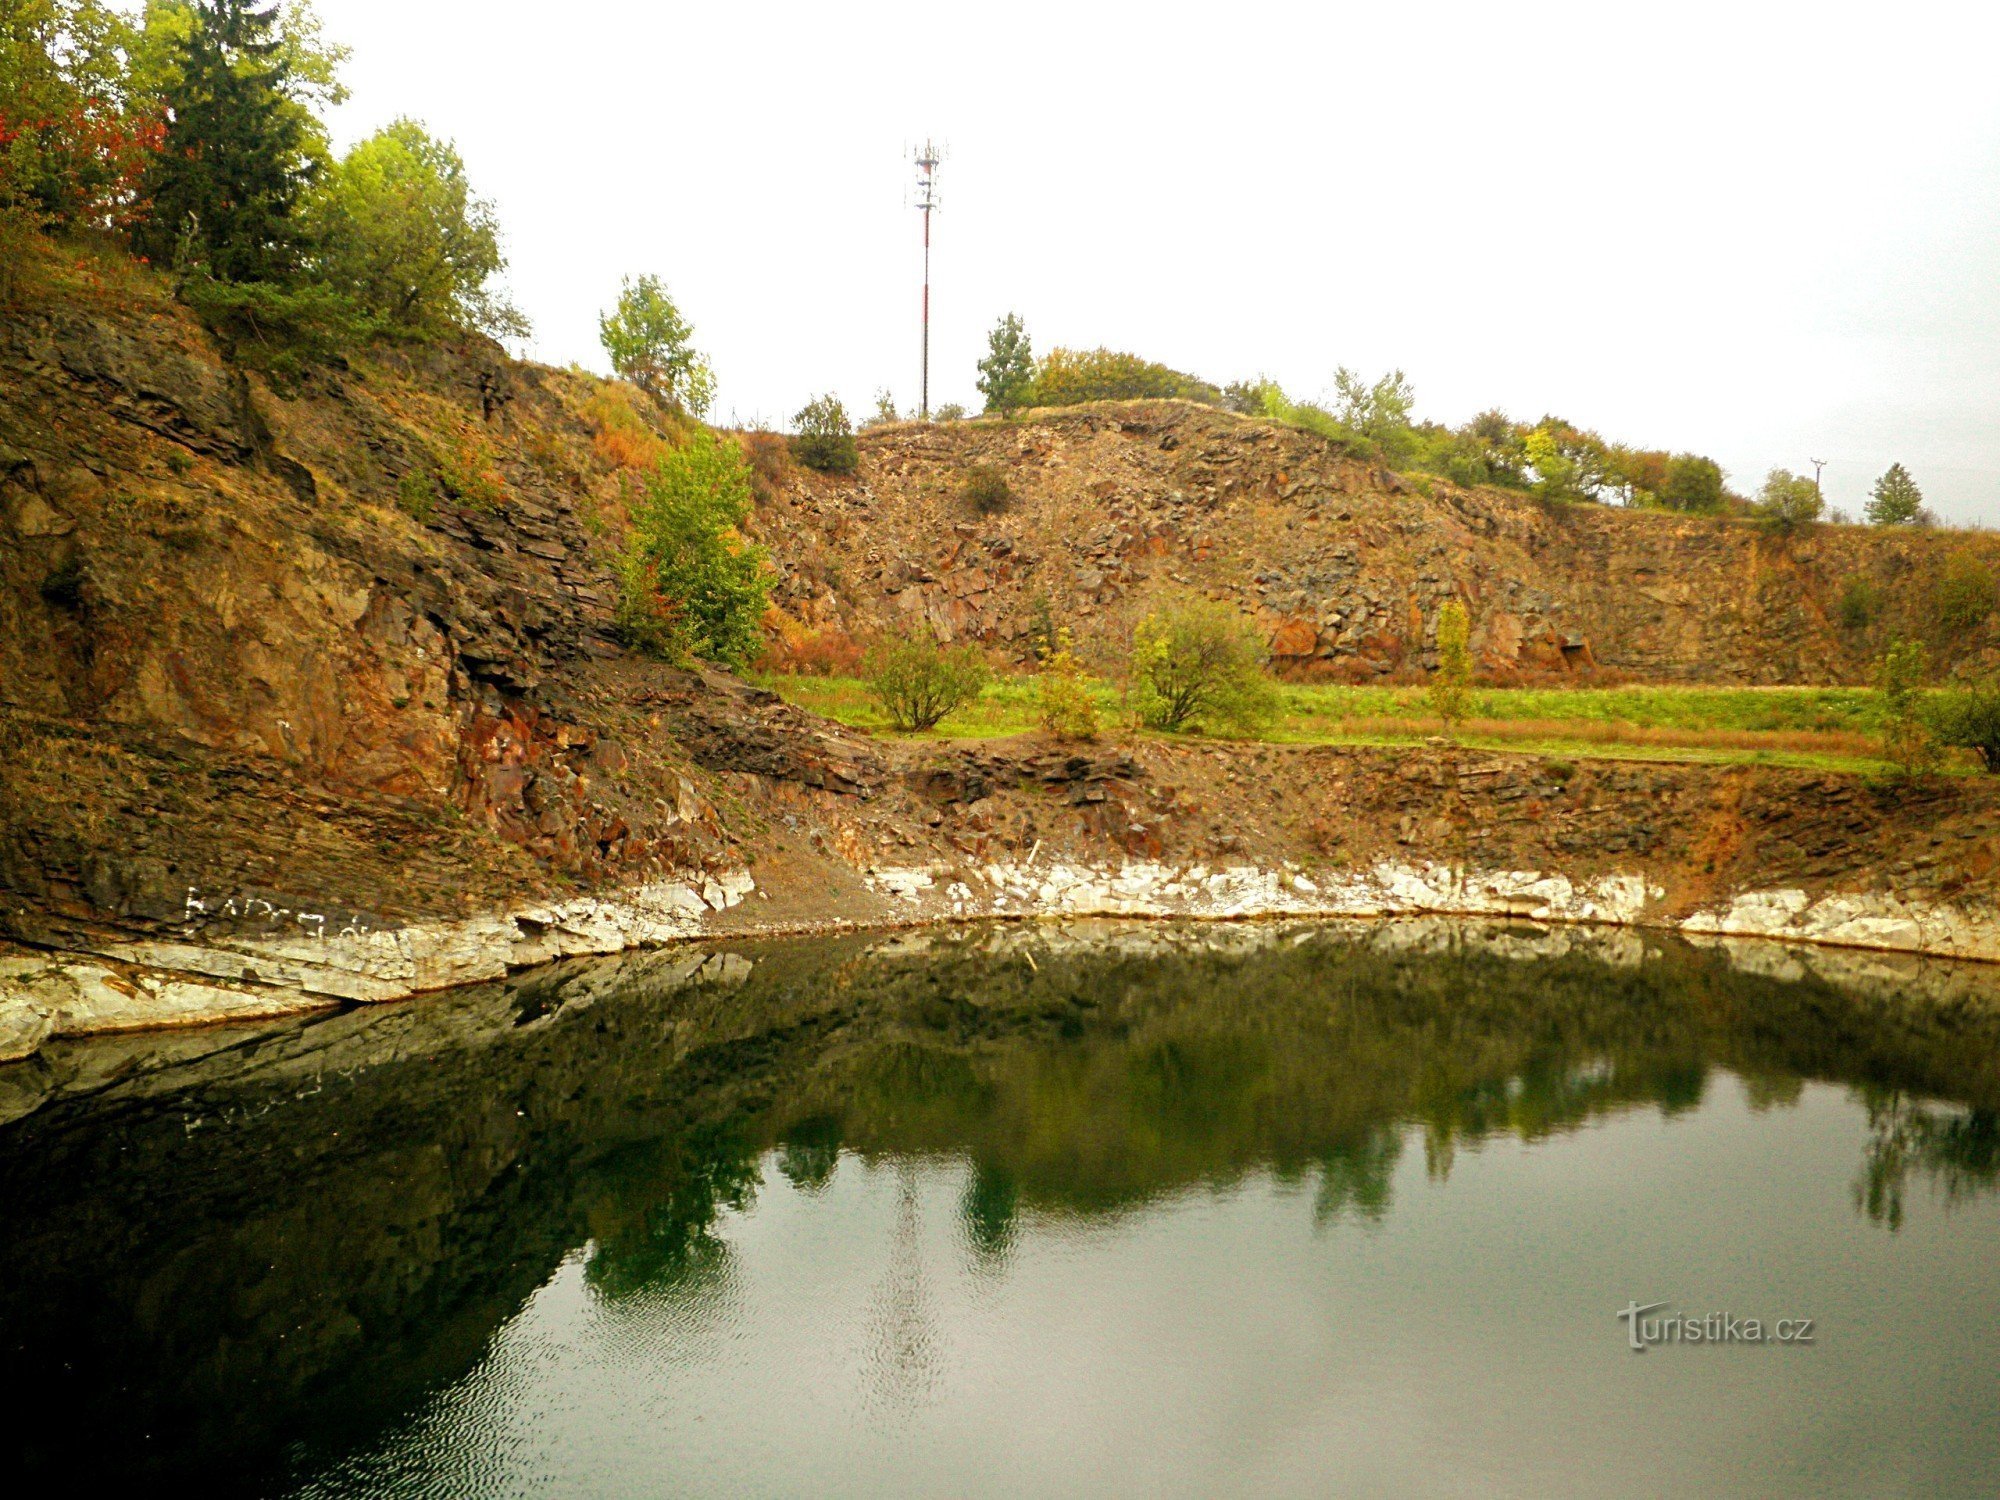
{"points": [[1788, 501], [951, 411], [279, 327], [621, 437], [1069, 377], [417, 495], [1962, 597], [1451, 685], [1200, 665], [769, 455], [1860, 603], [1063, 702], [987, 490], [825, 438], [1907, 741], [1691, 483], [919, 682], [1970, 719], [470, 473], [802, 651], [690, 584]]}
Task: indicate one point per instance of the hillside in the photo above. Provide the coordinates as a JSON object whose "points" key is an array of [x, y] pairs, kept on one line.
{"points": [[309, 692], [1342, 563]]}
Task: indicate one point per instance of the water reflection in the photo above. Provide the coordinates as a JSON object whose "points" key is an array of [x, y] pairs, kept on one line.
{"points": [[254, 1264]]}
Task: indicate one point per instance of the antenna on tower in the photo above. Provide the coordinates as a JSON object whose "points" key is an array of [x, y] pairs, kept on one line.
{"points": [[927, 158]]}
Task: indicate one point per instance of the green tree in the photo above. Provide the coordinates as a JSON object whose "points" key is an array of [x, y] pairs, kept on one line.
{"points": [[398, 228], [1970, 718], [1895, 500], [240, 149], [1908, 743], [825, 438], [651, 345], [691, 585], [1200, 665], [1692, 483], [1569, 463], [1380, 411], [1788, 501], [1451, 684], [1007, 374]]}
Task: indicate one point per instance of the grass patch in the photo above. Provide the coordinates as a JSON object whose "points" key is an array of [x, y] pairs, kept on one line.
{"points": [[1828, 729]]}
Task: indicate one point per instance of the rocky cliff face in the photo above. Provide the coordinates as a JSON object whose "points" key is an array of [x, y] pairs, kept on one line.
{"points": [[308, 693], [1343, 564]]}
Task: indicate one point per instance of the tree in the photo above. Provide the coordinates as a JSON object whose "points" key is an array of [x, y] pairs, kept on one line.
{"points": [[1200, 665], [1451, 685], [1907, 741], [1379, 412], [919, 683], [238, 151], [1007, 374], [397, 227], [1692, 483], [650, 345], [1895, 500], [75, 143], [1788, 501], [825, 438], [1569, 463], [690, 584], [1970, 718]]}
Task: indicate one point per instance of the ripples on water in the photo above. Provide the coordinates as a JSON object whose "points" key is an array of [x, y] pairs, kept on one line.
{"points": [[1268, 1210]]}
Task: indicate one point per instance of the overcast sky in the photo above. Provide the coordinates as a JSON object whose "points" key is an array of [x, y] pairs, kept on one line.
{"points": [[1766, 232]]}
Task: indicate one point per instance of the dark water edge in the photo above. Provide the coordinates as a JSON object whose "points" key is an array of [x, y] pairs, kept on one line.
{"points": [[273, 1260]]}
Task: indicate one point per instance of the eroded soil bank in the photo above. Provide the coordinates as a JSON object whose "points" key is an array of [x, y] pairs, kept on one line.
{"points": [[906, 834]]}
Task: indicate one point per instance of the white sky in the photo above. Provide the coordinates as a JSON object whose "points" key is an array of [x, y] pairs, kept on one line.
{"points": [[1767, 232]]}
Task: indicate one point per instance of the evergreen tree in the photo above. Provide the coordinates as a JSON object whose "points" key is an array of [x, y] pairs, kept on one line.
{"points": [[1895, 500], [237, 153], [1007, 374]]}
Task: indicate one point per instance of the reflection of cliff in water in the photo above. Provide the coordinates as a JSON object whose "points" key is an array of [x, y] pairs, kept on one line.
{"points": [[283, 1245]]}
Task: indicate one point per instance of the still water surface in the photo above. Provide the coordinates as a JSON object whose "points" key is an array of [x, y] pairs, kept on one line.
{"points": [[1101, 1210]]}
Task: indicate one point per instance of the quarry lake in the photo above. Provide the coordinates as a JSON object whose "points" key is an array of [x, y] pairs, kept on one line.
{"points": [[1080, 1209]]}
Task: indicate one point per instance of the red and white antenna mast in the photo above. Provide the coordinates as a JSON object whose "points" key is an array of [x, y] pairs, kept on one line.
{"points": [[927, 156]]}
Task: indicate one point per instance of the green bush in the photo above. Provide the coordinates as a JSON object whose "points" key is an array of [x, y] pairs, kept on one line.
{"points": [[690, 584], [1970, 719], [825, 439], [1788, 501], [1064, 706], [1451, 685], [1198, 665], [1070, 377], [1860, 603], [987, 490], [919, 682], [1908, 741], [1962, 597], [280, 326]]}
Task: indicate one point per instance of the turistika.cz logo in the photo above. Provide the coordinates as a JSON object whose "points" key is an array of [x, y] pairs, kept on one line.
{"points": [[1643, 1332]]}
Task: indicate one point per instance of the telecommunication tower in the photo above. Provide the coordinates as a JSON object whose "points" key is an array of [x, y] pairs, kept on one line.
{"points": [[927, 158]]}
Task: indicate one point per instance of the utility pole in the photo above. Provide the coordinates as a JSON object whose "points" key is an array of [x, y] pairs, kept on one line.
{"points": [[927, 201], [1818, 464]]}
